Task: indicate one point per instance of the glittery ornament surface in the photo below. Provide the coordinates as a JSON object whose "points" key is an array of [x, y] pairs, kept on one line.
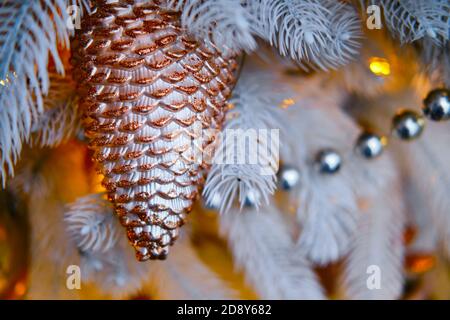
{"points": [[148, 93]]}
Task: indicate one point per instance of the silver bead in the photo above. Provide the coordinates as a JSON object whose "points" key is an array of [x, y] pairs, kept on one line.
{"points": [[408, 125], [251, 199], [370, 145], [437, 105], [288, 178], [328, 161]]}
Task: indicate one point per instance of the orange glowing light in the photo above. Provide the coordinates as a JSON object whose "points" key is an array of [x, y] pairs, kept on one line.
{"points": [[20, 289], [419, 262], [98, 187], [287, 103], [2, 234], [379, 66], [409, 235]]}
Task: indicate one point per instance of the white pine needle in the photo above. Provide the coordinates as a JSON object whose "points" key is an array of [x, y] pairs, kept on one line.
{"points": [[91, 223], [323, 34], [61, 119], [29, 32], [226, 23]]}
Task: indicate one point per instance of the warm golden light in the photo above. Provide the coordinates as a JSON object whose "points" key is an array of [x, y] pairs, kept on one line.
{"points": [[98, 187], [19, 289], [230, 106], [379, 66], [419, 263], [287, 103]]}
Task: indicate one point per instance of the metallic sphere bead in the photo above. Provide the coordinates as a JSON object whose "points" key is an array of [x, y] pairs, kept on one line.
{"points": [[437, 105], [408, 125], [328, 161], [370, 145], [288, 178]]}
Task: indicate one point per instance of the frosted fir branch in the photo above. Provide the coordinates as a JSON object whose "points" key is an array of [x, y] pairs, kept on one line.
{"points": [[328, 205], [91, 223], [226, 23], [331, 206], [61, 119], [427, 167], [426, 239], [346, 37], [262, 247], [106, 259], [411, 20], [29, 32], [377, 249], [320, 33], [323, 34], [183, 276], [435, 61], [116, 273], [51, 250], [30, 179], [255, 105]]}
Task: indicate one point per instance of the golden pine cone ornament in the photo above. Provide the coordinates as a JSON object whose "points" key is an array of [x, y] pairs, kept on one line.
{"points": [[146, 88]]}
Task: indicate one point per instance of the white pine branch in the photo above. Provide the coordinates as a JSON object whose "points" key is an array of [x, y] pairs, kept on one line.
{"points": [[242, 165], [411, 20], [328, 208], [263, 248], [436, 61], [183, 276], [427, 167], [91, 223], [51, 250], [29, 179], [226, 23], [374, 268], [61, 119], [107, 260], [321, 33], [426, 238], [29, 32], [331, 206], [116, 272]]}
